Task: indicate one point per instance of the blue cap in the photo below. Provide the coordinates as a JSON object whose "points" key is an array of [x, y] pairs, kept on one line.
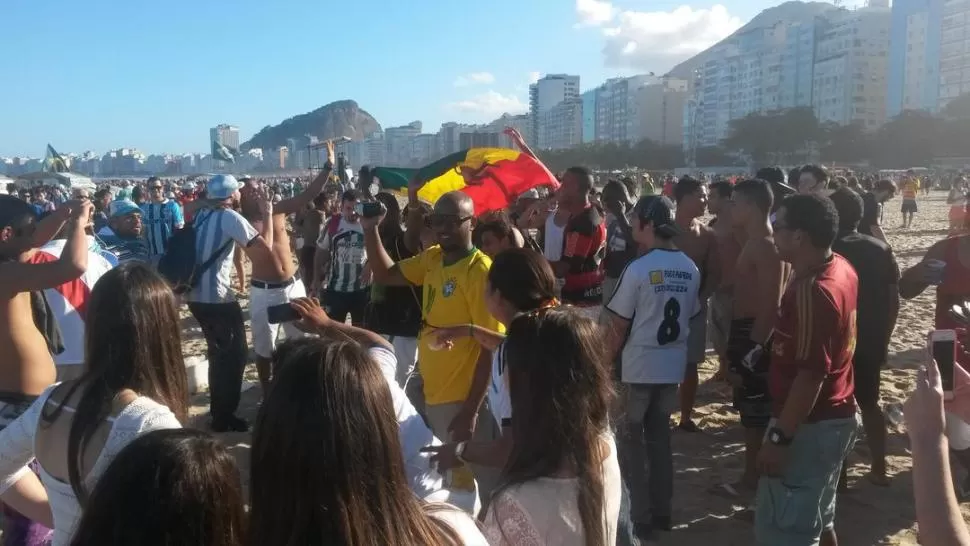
{"points": [[122, 207], [222, 186]]}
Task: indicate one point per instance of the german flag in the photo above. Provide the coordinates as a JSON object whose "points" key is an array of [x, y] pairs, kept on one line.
{"points": [[493, 177]]}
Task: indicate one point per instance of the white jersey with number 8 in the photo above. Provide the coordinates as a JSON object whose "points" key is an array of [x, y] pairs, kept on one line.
{"points": [[658, 293]]}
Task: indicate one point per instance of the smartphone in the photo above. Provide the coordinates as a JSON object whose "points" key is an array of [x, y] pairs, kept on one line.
{"points": [[283, 312], [370, 209], [943, 344]]}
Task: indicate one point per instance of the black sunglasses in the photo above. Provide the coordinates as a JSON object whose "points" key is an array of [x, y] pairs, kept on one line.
{"points": [[448, 220]]}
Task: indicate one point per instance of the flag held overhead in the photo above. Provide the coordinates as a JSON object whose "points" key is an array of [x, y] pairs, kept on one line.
{"points": [[492, 177]]}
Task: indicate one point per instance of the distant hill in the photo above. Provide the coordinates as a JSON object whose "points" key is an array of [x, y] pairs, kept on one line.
{"points": [[795, 12], [341, 118]]}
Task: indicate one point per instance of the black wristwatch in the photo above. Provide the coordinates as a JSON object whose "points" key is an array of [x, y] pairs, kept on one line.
{"points": [[777, 437]]}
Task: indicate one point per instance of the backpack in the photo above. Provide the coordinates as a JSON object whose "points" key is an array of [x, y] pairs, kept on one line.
{"points": [[178, 265]]}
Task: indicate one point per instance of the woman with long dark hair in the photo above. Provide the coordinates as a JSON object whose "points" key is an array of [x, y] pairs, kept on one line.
{"points": [[327, 464], [175, 486], [133, 382], [561, 484], [519, 281]]}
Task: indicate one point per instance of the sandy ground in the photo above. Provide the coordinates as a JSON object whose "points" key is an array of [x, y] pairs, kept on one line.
{"points": [[867, 515]]}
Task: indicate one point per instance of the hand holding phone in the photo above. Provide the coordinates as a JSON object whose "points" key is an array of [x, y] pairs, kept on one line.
{"points": [[284, 312], [943, 347]]}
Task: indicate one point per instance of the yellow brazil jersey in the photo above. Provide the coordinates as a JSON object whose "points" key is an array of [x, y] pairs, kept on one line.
{"points": [[452, 295], [910, 189]]}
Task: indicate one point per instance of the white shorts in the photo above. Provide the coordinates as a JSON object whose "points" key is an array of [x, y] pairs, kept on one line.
{"points": [[264, 333]]}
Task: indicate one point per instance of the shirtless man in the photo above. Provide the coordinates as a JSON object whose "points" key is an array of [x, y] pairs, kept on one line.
{"points": [[756, 302], [26, 363], [699, 243], [275, 281], [728, 249]]}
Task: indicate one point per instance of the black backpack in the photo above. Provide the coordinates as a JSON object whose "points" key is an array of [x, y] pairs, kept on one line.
{"points": [[178, 265]]}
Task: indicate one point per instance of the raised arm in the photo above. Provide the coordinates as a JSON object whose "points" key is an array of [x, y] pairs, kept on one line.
{"points": [[300, 201], [18, 277], [385, 270]]}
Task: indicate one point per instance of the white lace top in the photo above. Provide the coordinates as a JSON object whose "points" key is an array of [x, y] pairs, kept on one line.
{"points": [[546, 510], [17, 449]]}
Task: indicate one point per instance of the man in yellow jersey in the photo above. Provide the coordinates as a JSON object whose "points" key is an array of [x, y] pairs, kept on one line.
{"points": [[453, 275], [909, 189]]}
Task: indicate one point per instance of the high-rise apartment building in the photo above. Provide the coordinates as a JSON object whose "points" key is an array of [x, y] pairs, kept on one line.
{"points": [[851, 68], [589, 115], [547, 93], [397, 141], [761, 70], [914, 56], [954, 51], [660, 111], [616, 108], [227, 135], [561, 126]]}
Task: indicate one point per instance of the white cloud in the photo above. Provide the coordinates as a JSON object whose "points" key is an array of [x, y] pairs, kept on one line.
{"points": [[474, 78], [655, 40], [594, 12], [534, 77], [489, 105]]}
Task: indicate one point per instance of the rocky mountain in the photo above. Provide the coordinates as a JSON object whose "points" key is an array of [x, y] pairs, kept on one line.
{"points": [[795, 12], [341, 118]]}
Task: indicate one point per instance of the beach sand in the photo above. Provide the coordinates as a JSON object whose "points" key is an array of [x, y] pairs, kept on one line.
{"points": [[867, 514]]}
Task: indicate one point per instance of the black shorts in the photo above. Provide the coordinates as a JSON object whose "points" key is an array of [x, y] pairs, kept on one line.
{"points": [[909, 206], [340, 304], [752, 399], [866, 372]]}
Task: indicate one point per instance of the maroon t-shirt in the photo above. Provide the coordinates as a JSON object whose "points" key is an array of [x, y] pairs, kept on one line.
{"points": [[816, 331]]}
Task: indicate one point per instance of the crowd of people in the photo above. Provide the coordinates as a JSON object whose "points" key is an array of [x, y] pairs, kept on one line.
{"points": [[452, 379]]}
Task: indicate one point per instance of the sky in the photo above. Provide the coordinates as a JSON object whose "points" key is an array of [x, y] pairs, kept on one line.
{"points": [[103, 74]]}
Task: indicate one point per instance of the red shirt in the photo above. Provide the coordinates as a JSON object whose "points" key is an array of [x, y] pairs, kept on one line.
{"points": [[816, 332], [954, 289]]}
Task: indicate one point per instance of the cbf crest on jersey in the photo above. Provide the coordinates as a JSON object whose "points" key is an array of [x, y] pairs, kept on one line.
{"points": [[449, 288]]}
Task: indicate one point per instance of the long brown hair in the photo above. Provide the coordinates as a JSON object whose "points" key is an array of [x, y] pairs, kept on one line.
{"points": [[171, 486], [326, 465], [560, 390], [131, 341]]}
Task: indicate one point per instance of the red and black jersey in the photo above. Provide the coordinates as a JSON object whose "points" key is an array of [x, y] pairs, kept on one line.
{"points": [[584, 245]]}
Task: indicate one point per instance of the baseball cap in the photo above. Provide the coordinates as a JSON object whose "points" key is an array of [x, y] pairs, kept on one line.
{"points": [[659, 211], [222, 186], [122, 207]]}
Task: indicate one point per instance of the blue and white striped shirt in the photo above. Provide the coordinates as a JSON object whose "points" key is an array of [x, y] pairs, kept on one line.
{"points": [[160, 221], [213, 229]]}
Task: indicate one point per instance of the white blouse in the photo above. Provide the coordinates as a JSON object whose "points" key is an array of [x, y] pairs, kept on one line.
{"points": [[546, 510], [141, 416]]}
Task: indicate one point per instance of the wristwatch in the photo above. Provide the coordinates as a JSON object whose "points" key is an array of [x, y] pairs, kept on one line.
{"points": [[777, 437], [460, 451]]}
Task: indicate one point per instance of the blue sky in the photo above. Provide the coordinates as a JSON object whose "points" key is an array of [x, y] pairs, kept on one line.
{"points": [[102, 74]]}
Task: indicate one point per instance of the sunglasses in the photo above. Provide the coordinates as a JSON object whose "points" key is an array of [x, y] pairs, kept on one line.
{"points": [[158, 188], [448, 220]]}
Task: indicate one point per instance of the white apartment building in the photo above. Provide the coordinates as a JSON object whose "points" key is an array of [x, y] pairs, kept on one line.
{"points": [[227, 135], [546, 93], [561, 126], [851, 68], [955, 51], [398, 146], [616, 108], [660, 111]]}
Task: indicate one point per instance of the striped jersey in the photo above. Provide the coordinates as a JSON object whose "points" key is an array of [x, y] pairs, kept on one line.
{"points": [[124, 249], [214, 228], [160, 221], [347, 256], [69, 301]]}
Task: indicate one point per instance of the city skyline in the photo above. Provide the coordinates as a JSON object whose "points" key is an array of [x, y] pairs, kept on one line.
{"points": [[158, 85]]}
